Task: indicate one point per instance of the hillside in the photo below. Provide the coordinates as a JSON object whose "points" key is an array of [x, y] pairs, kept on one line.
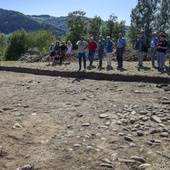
{"points": [[11, 21], [59, 22]]}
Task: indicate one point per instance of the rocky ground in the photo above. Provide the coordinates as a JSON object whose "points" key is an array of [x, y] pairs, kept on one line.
{"points": [[54, 123]]}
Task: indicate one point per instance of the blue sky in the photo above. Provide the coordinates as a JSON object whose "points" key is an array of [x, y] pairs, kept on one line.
{"points": [[103, 8]]}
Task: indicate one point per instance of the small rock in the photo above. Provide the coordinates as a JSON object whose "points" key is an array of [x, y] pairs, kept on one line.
{"points": [[143, 112], [140, 133], [26, 167], [114, 157], [144, 166], [156, 119], [127, 138], [137, 158], [77, 145], [17, 125], [127, 160], [164, 134], [103, 116], [85, 124], [106, 165], [0, 150], [88, 148]]}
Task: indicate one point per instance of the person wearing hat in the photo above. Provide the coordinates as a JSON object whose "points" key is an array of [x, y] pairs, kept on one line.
{"points": [[154, 42], [161, 48], [141, 42]]}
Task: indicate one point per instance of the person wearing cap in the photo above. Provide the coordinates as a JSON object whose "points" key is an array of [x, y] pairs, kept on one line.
{"points": [[109, 50], [121, 43], [141, 42], [154, 42], [101, 45], [82, 45], [92, 45], [161, 48]]}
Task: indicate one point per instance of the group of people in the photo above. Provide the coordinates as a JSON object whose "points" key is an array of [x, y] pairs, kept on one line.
{"points": [[101, 45], [59, 53], [158, 46]]}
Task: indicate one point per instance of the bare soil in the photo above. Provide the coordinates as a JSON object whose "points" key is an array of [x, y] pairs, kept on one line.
{"points": [[55, 123]]}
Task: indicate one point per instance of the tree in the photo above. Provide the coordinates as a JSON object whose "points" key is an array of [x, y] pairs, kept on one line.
{"points": [[162, 18], [113, 27], [77, 26], [3, 44], [17, 45], [142, 17], [94, 27]]}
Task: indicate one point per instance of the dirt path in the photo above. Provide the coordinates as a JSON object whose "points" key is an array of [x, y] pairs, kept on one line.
{"points": [[59, 123]]}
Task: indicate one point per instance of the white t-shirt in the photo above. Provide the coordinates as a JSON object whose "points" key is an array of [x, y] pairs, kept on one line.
{"points": [[81, 46], [69, 49]]}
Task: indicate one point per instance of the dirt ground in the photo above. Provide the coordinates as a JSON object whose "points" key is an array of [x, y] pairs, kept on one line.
{"points": [[55, 123]]}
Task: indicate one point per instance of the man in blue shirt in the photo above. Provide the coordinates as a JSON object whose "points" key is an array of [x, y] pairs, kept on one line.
{"points": [[121, 43], [101, 45], [109, 50]]}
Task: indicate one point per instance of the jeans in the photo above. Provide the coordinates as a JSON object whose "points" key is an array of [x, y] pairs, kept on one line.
{"points": [[91, 57], [153, 56], [100, 56], [80, 56], [160, 58]]}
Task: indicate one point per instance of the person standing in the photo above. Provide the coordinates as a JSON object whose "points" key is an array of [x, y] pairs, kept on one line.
{"points": [[69, 51], [92, 45], [141, 43], [101, 45], [154, 42], [52, 53], [121, 43], [63, 48], [161, 48], [82, 45], [109, 50]]}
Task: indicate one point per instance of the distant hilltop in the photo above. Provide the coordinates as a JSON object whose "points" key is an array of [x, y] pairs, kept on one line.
{"points": [[12, 20]]}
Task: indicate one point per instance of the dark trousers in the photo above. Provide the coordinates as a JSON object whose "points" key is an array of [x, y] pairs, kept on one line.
{"points": [[119, 54], [84, 62], [100, 55]]}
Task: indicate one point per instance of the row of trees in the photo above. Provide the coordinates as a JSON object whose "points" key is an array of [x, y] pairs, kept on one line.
{"points": [[94, 27], [14, 46], [149, 15]]}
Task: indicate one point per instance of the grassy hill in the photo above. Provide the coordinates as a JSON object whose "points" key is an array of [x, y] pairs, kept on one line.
{"points": [[11, 21]]}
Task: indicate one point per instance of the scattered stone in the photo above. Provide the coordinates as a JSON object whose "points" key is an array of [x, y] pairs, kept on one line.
{"points": [[0, 150], [103, 116], [85, 124], [127, 160], [7, 108], [26, 167], [144, 166], [77, 145], [164, 134], [114, 157], [132, 120], [17, 125], [127, 138], [88, 148], [137, 158], [156, 119], [143, 112], [140, 133], [166, 102], [106, 165]]}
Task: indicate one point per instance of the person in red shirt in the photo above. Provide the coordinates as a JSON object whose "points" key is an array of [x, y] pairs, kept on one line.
{"points": [[92, 45]]}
